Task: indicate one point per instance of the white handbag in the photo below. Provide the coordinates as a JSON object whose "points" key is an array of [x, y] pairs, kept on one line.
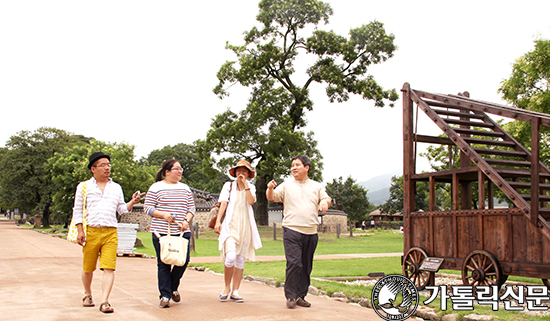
{"points": [[173, 249]]}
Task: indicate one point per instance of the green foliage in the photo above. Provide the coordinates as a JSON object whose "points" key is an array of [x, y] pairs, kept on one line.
{"points": [[268, 130], [349, 197], [394, 204], [528, 88], [191, 163], [71, 167], [24, 176]]}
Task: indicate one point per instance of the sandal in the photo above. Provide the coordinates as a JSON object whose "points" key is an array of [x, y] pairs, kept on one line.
{"points": [[105, 307], [87, 301]]}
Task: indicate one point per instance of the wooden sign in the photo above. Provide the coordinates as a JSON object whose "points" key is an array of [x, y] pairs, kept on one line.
{"points": [[431, 264]]}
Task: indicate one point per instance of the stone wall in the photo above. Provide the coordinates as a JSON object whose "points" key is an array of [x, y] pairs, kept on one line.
{"points": [[202, 217], [137, 216], [331, 219], [328, 222]]}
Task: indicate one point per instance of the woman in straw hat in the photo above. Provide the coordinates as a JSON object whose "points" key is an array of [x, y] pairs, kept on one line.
{"points": [[238, 232]]}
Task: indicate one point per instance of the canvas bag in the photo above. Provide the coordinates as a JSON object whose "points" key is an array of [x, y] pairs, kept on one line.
{"points": [[173, 249], [73, 230], [214, 211]]}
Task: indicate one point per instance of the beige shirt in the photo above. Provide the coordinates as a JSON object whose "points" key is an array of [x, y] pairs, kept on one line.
{"points": [[301, 203]]}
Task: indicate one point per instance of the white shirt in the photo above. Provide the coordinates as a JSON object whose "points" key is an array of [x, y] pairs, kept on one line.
{"points": [[101, 206]]}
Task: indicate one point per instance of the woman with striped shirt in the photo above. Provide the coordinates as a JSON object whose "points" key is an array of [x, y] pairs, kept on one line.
{"points": [[169, 201]]}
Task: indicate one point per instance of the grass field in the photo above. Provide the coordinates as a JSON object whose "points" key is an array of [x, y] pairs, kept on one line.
{"points": [[380, 242]]}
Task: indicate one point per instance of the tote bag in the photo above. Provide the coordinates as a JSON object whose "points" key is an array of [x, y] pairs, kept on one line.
{"points": [[73, 230], [173, 249]]}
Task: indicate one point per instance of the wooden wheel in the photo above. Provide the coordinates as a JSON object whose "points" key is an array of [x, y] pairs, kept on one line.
{"points": [[481, 268], [545, 282], [411, 267]]}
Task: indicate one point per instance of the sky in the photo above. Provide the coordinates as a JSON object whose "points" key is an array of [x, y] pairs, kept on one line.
{"points": [[142, 72]]}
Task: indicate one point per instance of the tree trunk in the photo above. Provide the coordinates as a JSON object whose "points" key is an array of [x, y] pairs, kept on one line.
{"points": [[261, 201], [46, 216]]}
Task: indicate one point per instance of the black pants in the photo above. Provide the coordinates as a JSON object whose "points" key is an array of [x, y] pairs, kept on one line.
{"points": [[299, 250]]}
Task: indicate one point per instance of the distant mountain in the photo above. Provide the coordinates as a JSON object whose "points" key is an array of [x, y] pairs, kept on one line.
{"points": [[379, 187], [379, 197]]}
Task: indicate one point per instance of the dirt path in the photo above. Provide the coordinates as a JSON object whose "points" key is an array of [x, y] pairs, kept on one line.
{"points": [[40, 280]]}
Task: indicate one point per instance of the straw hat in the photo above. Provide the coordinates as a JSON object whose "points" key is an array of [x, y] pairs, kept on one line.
{"points": [[242, 163]]}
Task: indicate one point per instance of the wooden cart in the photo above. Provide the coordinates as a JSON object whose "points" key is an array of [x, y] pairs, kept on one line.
{"points": [[486, 243]]}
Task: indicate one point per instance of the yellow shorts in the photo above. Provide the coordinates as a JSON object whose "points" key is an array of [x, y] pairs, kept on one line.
{"points": [[101, 242]]}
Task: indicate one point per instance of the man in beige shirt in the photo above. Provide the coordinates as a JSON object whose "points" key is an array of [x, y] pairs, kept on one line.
{"points": [[302, 199]]}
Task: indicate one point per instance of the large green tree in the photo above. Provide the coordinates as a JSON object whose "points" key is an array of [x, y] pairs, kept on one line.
{"points": [[24, 177], [529, 88], [268, 131], [189, 159], [350, 197], [70, 167]]}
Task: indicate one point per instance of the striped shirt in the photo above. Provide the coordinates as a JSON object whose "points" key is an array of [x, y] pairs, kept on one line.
{"points": [[101, 206], [176, 199]]}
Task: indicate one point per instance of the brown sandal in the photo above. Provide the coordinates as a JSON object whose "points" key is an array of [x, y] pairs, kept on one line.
{"points": [[87, 301], [108, 308]]}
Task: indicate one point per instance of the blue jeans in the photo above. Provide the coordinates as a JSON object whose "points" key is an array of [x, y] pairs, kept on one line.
{"points": [[169, 276]]}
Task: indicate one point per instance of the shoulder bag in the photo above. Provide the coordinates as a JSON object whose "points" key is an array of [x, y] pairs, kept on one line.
{"points": [[214, 211], [72, 236]]}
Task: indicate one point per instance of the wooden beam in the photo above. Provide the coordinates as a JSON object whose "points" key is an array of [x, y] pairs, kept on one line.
{"points": [[432, 193], [408, 164], [491, 108], [535, 170], [455, 186], [481, 190]]}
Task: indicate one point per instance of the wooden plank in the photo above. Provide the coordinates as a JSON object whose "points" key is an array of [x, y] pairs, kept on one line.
{"points": [[468, 123], [527, 185], [479, 132], [433, 140], [481, 190], [455, 187], [432, 193], [534, 244], [516, 172], [506, 162], [535, 169], [489, 142], [495, 236], [499, 152], [519, 233], [490, 194], [452, 113], [443, 236], [408, 165], [420, 234], [468, 235]]}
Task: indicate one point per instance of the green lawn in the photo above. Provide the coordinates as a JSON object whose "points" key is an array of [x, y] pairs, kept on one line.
{"points": [[381, 242]]}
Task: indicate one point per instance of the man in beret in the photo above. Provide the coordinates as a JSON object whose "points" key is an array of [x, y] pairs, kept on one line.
{"points": [[102, 199]]}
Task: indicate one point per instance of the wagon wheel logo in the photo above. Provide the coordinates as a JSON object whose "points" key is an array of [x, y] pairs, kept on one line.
{"points": [[394, 297]]}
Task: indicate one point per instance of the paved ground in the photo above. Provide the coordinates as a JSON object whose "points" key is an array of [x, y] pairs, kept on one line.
{"points": [[40, 280]]}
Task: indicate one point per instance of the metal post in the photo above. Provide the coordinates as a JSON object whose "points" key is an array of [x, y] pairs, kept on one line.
{"points": [[274, 231], [338, 231]]}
